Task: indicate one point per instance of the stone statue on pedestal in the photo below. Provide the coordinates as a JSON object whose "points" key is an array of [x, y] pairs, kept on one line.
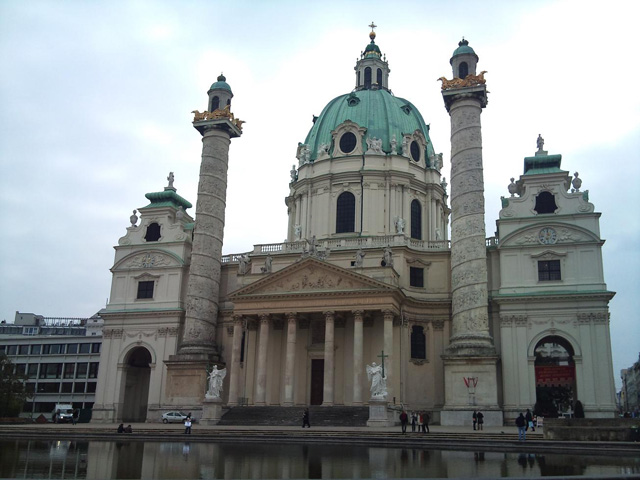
{"points": [[215, 382], [378, 382]]}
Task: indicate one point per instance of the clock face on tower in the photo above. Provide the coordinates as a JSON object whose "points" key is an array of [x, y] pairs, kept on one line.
{"points": [[547, 236]]}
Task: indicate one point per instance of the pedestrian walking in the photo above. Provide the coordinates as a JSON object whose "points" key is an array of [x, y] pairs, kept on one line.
{"points": [[480, 416], [529, 419], [305, 418], [404, 419], [475, 419], [521, 423]]}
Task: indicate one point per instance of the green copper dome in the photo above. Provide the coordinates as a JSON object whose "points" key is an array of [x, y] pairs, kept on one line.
{"points": [[463, 48], [221, 84], [382, 114]]}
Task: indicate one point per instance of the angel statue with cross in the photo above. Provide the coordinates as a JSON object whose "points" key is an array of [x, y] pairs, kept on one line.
{"points": [[378, 380]]}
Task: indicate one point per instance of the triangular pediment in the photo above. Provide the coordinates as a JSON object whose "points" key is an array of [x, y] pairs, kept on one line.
{"points": [[311, 276]]}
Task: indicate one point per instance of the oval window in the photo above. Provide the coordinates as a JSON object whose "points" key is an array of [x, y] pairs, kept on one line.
{"points": [[348, 142], [415, 151]]}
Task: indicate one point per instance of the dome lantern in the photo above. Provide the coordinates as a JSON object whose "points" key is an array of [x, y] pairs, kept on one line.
{"points": [[220, 94], [372, 69], [464, 60]]}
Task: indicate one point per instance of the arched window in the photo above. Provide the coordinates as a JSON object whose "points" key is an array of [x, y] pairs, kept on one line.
{"points": [[545, 203], [153, 232], [215, 103], [379, 78], [358, 82], [346, 213], [367, 77], [418, 343], [416, 220], [463, 70]]}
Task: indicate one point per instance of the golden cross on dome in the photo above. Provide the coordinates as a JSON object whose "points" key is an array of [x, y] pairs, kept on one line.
{"points": [[373, 26]]}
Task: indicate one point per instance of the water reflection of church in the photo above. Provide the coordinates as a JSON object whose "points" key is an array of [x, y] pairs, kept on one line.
{"points": [[467, 323]]}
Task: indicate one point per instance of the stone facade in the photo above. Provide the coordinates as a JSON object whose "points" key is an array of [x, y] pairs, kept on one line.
{"points": [[367, 273]]}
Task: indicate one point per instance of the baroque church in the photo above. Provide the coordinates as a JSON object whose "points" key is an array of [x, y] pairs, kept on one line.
{"points": [[381, 263]]}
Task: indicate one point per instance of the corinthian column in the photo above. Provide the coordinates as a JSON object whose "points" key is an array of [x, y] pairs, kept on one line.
{"points": [[261, 376], [290, 362], [327, 398], [358, 367], [236, 348], [388, 350]]}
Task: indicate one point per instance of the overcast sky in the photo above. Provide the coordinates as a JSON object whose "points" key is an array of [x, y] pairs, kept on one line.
{"points": [[96, 100]]}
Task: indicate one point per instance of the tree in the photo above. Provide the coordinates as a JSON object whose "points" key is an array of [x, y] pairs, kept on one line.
{"points": [[12, 389]]}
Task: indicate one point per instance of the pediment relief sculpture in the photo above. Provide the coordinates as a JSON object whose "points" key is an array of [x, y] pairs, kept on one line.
{"points": [[147, 260]]}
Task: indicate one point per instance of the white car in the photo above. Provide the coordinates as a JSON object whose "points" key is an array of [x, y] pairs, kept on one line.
{"points": [[175, 417]]}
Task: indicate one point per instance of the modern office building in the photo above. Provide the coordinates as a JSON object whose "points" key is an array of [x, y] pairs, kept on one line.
{"points": [[60, 357]]}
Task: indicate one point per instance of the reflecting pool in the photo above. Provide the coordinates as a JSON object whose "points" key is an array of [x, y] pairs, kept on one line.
{"points": [[171, 460]]}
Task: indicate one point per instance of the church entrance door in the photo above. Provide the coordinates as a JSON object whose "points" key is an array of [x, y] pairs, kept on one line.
{"points": [[317, 381], [136, 385], [555, 377]]}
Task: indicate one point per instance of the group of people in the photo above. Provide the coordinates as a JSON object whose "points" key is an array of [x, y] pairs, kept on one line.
{"points": [[525, 422], [123, 429], [418, 419], [478, 420]]}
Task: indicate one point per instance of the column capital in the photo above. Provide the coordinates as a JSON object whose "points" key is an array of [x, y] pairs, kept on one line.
{"points": [[292, 316], [237, 319], [264, 318], [329, 315], [358, 314], [388, 314]]}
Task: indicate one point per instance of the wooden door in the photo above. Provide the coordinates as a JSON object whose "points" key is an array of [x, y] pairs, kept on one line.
{"points": [[317, 381]]}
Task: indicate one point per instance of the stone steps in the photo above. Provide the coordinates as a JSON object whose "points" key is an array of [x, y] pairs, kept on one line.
{"points": [[336, 416]]}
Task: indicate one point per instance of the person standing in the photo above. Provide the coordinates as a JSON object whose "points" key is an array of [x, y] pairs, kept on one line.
{"points": [[305, 418], [425, 426], [404, 419], [480, 420], [529, 419], [475, 419], [414, 420], [522, 431], [187, 425]]}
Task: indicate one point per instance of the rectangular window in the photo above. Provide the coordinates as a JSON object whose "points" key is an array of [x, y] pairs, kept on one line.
{"points": [[29, 330], [23, 350], [30, 388], [416, 277], [91, 387], [67, 387], [48, 387], [145, 289], [32, 371], [36, 349], [93, 370], [78, 387], [72, 348], [85, 348], [95, 347], [81, 371], [21, 368], [549, 270], [50, 370], [46, 349], [69, 370], [56, 349], [12, 349]]}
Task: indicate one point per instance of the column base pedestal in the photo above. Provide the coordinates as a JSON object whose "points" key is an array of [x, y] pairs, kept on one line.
{"points": [[186, 380], [379, 415], [211, 411], [471, 383]]}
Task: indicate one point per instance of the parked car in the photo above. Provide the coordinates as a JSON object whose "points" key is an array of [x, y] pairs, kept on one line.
{"points": [[175, 417], [62, 412]]}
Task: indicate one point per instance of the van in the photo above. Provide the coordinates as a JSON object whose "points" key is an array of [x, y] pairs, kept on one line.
{"points": [[63, 412]]}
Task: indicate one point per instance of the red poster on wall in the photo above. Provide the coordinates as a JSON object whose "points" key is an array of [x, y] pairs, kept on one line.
{"points": [[555, 375]]}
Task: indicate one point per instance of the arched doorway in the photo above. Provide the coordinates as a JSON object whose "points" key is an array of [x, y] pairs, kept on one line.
{"points": [[136, 385], [555, 377]]}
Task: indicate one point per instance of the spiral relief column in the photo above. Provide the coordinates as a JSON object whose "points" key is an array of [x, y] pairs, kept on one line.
{"points": [[471, 353], [187, 371]]}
